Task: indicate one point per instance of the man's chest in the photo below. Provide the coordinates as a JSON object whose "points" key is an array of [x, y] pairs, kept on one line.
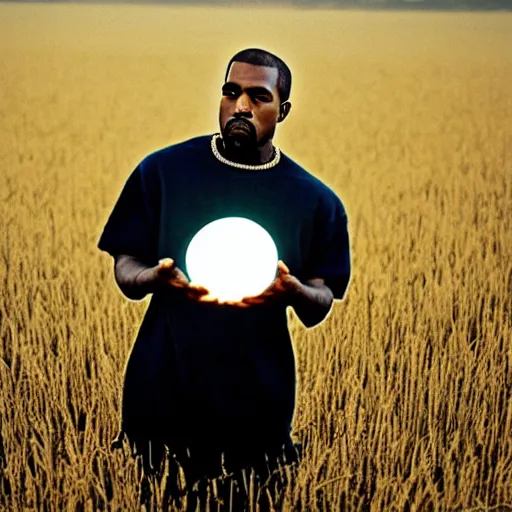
{"points": [[285, 211]]}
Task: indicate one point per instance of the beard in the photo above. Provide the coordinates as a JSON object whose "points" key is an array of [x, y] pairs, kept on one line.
{"points": [[239, 136], [240, 140]]}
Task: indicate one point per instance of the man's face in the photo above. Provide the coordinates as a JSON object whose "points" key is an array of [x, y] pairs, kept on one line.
{"points": [[249, 108]]}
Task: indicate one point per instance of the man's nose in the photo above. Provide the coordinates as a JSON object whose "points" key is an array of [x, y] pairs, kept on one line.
{"points": [[243, 105]]}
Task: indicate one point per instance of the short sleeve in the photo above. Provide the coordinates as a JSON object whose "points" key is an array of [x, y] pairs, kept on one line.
{"points": [[329, 257], [132, 226]]}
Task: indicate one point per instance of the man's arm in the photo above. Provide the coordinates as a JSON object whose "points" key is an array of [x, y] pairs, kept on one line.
{"points": [[134, 278], [312, 301]]}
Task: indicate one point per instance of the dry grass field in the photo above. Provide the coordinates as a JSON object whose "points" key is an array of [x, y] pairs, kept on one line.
{"points": [[405, 391]]}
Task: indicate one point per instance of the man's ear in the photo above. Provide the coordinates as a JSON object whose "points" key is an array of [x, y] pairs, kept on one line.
{"points": [[284, 110]]}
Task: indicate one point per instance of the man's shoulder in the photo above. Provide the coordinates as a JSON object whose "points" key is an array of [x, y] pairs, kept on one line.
{"points": [[320, 188], [175, 152]]}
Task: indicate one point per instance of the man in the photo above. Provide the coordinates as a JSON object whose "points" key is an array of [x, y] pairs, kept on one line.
{"points": [[212, 381]]}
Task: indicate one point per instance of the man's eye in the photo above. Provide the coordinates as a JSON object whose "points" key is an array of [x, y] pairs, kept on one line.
{"points": [[229, 94], [262, 98]]}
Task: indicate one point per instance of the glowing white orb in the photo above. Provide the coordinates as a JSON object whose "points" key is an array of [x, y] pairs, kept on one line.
{"points": [[233, 257]]}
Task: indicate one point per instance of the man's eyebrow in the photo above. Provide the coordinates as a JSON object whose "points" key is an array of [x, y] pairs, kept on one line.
{"points": [[230, 85], [254, 90], [259, 90]]}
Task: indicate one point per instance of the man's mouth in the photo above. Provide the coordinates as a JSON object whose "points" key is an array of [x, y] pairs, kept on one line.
{"points": [[240, 125]]}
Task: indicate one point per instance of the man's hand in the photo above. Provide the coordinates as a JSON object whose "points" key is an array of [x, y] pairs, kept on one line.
{"points": [[311, 300], [282, 289], [168, 275], [136, 279]]}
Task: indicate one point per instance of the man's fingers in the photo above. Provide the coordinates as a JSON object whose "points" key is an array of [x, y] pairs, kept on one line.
{"points": [[166, 266], [200, 294], [181, 284], [207, 298], [175, 278], [236, 303], [239, 304], [201, 290], [282, 268], [260, 299], [197, 290]]}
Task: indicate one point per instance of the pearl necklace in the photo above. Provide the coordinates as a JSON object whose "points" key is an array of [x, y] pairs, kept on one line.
{"points": [[261, 167]]}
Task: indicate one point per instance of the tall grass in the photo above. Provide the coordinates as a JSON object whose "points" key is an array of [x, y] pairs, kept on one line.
{"points": [[404, 392]]}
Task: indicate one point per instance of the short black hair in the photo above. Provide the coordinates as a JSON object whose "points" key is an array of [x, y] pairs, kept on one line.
{"points": [[259, 57]]}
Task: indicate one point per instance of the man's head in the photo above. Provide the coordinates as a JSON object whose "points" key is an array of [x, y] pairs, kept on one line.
{"points": [[254, 98]]}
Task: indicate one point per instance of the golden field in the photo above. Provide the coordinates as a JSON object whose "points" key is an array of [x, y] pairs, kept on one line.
{"points": [[405, 391]]}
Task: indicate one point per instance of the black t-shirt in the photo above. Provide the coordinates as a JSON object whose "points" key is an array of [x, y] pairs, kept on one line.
{"points": [[197, 369]]}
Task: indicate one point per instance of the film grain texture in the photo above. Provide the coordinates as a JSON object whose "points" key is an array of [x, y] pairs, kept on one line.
{"points": [[404, 392]]}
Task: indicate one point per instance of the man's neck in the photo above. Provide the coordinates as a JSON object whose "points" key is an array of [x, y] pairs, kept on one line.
{"points": [[260, 155]]}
